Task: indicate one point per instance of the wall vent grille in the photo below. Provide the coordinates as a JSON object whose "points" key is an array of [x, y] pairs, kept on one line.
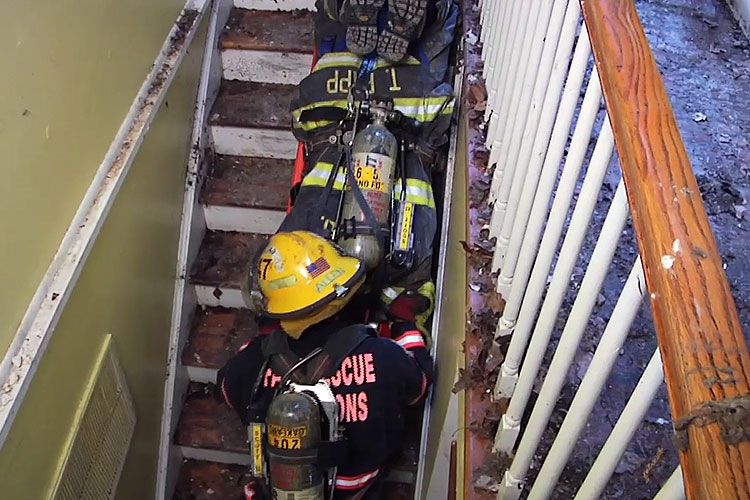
{"points": [[100, 442]]}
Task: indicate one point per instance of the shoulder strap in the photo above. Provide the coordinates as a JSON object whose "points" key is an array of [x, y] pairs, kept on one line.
{"points": [[337, 347], [280, 357]]}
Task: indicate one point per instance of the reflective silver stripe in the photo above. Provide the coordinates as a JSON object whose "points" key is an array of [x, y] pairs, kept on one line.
{"points": [[390, 294]]}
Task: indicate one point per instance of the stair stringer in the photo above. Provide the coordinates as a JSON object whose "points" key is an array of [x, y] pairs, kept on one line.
{"points": [[192, 230]]}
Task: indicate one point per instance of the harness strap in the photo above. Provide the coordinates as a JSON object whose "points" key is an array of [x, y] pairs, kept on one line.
{"points": [[338, 346]]}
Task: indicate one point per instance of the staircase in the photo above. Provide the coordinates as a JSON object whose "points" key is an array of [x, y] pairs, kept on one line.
{"points": [[264, 54]]}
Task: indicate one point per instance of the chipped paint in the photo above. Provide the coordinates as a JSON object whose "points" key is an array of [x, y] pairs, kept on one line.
{"points": [[19, 365], [667, 261]]}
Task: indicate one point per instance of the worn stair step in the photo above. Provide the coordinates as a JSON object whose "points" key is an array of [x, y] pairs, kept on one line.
{"points": [[204, 480], [209, 429], [246, 194], [267, 46], [217, 334], [221, 266], [253, 119], [275, 4]]}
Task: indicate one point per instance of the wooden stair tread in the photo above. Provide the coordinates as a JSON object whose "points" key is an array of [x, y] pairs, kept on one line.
{"points": [[224, 257], [282, 31], [242, 181], [208, 423], [217, 334], [201, 480], [253, 105]]}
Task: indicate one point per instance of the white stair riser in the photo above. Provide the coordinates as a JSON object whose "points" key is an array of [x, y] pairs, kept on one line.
{"points": [[275, 4], [202, 375], [265, 67], [230, 298], [263, 143], [243, 220], [222, 457]]}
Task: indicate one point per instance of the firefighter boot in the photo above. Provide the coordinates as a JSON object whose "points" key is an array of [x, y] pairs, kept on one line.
{"points": [[405, 23], [361, 19]]}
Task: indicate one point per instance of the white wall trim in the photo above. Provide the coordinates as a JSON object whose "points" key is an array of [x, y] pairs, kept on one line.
{"points": [[192, 230], [440, 483], [38, 324]]}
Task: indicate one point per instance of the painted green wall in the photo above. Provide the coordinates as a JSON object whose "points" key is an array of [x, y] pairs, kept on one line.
{"points": [[70, 70], [126, 285]]}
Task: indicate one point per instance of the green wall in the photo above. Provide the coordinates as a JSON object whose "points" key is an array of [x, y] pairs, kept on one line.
{"points": [[70, 70], [126, 285]]}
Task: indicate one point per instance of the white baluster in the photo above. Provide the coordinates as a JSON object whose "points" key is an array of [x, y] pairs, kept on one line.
{"points": [[588, 392], [507, 433], [498, 55], [525, 23], [630, 420], [551, 154], [554, 227], [544, 100], [518, 99], [569, 253], [518, 107], [674, 488]]}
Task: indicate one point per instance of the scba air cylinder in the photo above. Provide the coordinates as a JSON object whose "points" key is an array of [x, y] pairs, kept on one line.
{"points": [[293, 422], [374, 153]]}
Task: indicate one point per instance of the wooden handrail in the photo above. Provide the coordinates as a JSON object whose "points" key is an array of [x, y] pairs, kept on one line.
{"points": [[706, 361]]}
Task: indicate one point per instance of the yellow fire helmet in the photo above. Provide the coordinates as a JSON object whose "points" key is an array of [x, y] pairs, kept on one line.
{"points": [[305, 278]]}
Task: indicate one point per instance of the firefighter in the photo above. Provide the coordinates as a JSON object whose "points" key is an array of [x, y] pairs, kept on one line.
{"points": [[406, 289], [306, 284]]}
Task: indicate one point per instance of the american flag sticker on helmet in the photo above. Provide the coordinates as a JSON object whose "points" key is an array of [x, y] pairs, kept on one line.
{"points": [[318, 267]]}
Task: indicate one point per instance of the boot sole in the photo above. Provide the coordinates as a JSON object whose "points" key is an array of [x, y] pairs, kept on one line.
{"points": [[405, 18], [361, 19]]}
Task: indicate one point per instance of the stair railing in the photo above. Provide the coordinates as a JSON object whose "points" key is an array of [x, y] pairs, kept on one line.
{"points": [[547, 66]]}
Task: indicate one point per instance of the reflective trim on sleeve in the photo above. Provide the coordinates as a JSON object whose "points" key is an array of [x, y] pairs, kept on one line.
{"points": [[424, 109], [335, 103], [224, 393], [319, 175], [385, 63], [338, 59], [355, 482], [390, 293], [417, 192], [411, 340]]}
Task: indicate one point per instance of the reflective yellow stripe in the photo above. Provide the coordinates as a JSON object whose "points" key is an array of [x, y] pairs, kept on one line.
{"points": [[319, 175], [424, 109], [384, 63], [338, 59], [351, 60], [417, 192], [308, 126], [421, 109]]}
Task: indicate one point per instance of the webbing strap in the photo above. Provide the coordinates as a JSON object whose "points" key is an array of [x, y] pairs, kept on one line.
{"points": [[337, 347]]}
